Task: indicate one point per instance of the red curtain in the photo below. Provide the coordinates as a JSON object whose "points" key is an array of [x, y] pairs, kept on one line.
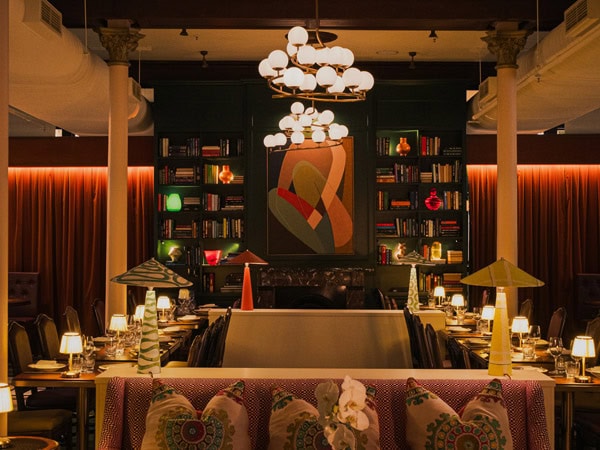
{"points": [[57, 227], [559, 230]]}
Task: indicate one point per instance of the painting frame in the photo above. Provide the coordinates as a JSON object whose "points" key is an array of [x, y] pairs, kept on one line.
{"points": [[311, 200]]}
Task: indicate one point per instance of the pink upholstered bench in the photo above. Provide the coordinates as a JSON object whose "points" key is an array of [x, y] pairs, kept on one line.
{"points": [[128, 399]]}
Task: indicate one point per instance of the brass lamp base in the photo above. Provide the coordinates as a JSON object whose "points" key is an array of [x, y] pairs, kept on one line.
{"points": [[4, 442], [583, 379], [70, 374]]}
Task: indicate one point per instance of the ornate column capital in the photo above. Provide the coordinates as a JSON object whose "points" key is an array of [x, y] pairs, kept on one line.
{"points": [[506, 41], [119, 41]]}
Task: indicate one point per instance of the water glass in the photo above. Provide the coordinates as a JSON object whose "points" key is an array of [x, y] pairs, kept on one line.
{"points": [[111, 348], [88, 365], [460, 316], [529, 350], [572, 368]]}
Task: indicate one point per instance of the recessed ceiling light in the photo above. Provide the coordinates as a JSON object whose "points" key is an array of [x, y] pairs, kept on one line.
{"points": [[387, 52]]}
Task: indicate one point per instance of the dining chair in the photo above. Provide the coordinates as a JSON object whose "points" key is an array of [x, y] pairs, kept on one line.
{"points": [[217, 358], [192, 355], [53, 424], [593, 329], [20, 357], [557, 322], [131, 303], [98, 310], [48, 337], [459, 357], [526, 309], [412, 338], [72, 319], [433, 346], [425, 360]]}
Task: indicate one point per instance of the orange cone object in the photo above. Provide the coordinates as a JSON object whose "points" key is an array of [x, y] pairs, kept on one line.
{"points": [[247, 302]]}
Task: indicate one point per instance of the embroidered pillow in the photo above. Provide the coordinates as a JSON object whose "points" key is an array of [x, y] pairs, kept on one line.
{"points": [[431, 424], [222, 425], [294, 424], [166, 404]]}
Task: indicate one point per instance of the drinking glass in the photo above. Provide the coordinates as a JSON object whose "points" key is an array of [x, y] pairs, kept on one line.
{"points": [[555, 348], [572, 368], [535, 333]]}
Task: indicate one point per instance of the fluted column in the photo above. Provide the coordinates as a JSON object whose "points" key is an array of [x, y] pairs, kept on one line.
{"points": [[505, 42], [3, 201], [119, 39]]}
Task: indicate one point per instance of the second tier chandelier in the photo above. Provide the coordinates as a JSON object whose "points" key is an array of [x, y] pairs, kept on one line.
{"points": [[310, 70]]}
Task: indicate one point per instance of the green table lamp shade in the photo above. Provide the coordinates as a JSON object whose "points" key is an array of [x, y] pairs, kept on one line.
{"points": [[501, 274], [174, 202], [150, 274]]}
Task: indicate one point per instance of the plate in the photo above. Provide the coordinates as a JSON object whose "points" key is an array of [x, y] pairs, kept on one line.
{"points": [[533, 368], [104, 367], [102, 339], [47, 366], [458, 329], [171, 329], [477, 342], [541, 343], [188, 318], [595, 370]]}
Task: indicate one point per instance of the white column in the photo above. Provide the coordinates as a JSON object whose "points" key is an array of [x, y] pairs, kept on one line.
{"points": [[506, 41], [4, 202], [119, 39]]}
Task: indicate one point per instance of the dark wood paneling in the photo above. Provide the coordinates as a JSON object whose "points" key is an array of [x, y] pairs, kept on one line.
{"points": [[538, 149], [75, 151]]}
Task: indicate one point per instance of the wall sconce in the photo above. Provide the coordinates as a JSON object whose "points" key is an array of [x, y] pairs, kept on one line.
{"points": [[520, 325], [71, 343], [163, 303], [583, 347]]}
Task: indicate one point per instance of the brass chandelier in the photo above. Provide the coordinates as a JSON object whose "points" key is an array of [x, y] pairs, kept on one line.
{"points": [[310, 70]]}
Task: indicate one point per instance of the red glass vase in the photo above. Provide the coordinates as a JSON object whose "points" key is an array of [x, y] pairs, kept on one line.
{"points": [[433, 202]]}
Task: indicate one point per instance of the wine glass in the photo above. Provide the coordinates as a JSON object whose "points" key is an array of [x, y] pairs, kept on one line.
{"points": [[555, 348]]}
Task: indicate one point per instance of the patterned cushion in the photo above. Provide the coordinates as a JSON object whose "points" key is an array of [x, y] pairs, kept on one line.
{"points": [[482, 424], [223, 424], [294, 424]]}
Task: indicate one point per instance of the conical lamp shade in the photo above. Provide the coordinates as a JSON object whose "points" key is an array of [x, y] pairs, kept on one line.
{"points": [[152, 274], [502, 273], [247, 258], [149, 355]]}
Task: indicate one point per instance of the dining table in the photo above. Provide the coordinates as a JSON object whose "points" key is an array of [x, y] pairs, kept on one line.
{"points": [[84, 383]]}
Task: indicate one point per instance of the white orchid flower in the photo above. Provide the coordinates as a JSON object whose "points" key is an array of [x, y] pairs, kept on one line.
{"points": [[351, 403]]}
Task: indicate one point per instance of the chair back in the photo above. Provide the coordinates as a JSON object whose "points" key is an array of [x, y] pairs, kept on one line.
{"points": [[193, 352], [458, 357], [425, 359], [131, 302], [557, 322], [98, 310], [433, 347], [19, 355], [72, 319], [593, 329], [217, 359], [48, 336], [207, 346], [526, 309], [412, 337]]}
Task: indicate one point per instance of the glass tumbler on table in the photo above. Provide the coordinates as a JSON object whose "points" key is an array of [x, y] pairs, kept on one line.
{"points": [[535, 333]]}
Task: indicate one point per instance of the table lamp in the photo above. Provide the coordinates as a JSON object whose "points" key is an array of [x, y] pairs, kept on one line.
{"points": [[246, 258], [163, 303], [583, 347], [6, 405], [71, 343], [414, 259], [118, 323], [439, 292], [501, 274], [150, 274], [138, 316], [520, 324], [458, 302], [487, 313]]}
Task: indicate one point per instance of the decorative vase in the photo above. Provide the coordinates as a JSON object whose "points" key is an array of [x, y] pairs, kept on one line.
{"points": [[403, 147], [433, 202], [226, 175]]}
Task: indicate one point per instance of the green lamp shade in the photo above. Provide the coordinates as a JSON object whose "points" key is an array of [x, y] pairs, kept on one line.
{"points": [[174, 202]]}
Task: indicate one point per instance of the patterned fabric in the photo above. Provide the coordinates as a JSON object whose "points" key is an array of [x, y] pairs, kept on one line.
{"points": [[128, 399], [294, 424], [483, 423], [172, 422]]}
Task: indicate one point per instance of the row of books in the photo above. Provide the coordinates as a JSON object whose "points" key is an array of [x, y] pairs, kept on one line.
{"points": [[385, 203], [233, 203], [398, 227], [440, 227], [216, 202], [223, 228], [455, 256], [450, 281], [179, 175], [170, 229], [446, 173], [398, 173], [193, 148]]}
